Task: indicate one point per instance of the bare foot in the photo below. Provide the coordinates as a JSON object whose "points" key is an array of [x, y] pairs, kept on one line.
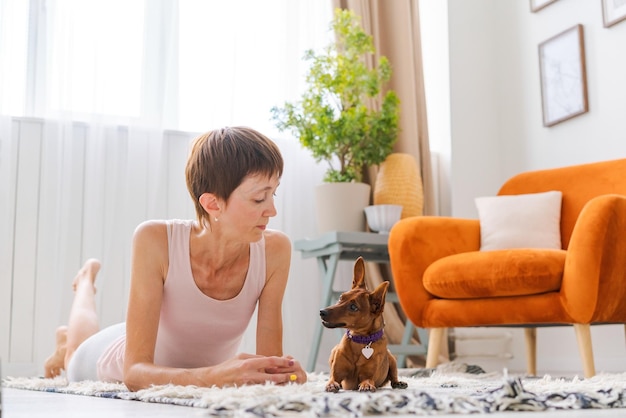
{"points": [[56, 362], [88, 272]]}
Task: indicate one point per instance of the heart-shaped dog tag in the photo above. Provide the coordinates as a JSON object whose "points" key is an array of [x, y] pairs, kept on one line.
{"points": [[367, 351]]}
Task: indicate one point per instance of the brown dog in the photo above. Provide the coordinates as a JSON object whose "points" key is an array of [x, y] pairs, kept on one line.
{"points": [[361, 360]]}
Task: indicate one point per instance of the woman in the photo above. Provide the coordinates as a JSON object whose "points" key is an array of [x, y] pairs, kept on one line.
{"points": [[195, 284]]}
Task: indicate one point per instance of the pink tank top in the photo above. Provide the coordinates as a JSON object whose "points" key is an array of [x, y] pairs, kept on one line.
{"points": [[194, 329]]}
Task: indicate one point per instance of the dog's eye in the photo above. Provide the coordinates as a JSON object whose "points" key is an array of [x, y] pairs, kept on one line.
{"points": [[353, 307]]}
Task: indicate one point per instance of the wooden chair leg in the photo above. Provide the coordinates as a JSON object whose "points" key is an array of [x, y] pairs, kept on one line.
{"points": [[583, 336], [531, 351], [444, 354], [435, 341]]}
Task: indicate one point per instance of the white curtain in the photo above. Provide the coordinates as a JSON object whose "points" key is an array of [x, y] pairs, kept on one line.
{"points": [[188, 65], [117, 85]]}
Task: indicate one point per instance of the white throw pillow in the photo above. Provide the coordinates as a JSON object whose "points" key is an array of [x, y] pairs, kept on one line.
{"points": [[520, 221]]}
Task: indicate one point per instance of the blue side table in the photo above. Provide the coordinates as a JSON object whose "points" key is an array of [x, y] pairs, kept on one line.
{"points": [[333, 246]]}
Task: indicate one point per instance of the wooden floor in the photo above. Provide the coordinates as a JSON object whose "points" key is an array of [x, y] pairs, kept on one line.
{"points": [[18, 403]]}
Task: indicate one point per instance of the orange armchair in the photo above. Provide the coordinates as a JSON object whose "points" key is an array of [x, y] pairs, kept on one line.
{"points": [[582, 284]]}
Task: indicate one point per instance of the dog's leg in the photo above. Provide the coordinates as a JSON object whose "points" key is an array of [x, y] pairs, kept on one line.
{"points": [[367, 385], [333, 384], [393, 373]]}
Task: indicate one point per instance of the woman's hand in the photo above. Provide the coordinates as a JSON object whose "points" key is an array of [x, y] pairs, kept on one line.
{"points": [[255, 369], [294, 369]]}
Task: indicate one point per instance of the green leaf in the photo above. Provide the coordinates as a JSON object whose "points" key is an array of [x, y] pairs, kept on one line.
{"points": [[332, 118]]}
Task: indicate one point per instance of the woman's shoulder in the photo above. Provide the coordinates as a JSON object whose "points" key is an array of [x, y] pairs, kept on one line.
{"points": [[151, 227], [156, 230], [277, 251], [276, 240], [150, 244], [160, 225]]}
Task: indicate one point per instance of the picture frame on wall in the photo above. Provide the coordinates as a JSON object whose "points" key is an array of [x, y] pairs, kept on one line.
{"points": [[613, 11], [563, 76], [536, 5]]}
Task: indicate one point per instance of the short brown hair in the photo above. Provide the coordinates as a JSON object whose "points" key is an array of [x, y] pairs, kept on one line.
{"points": [[220, 159]]}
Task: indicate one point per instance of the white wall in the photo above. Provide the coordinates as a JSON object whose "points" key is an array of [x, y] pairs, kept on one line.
{"points": [[496, 115], [496, 127]]}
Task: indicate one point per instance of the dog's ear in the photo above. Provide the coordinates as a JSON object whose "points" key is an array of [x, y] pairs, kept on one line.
{"points": [[358, 280], [377, 297]]}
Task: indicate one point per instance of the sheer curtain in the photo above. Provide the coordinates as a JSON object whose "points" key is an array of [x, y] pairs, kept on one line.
{"points": [[113, 90], [186, 65]]}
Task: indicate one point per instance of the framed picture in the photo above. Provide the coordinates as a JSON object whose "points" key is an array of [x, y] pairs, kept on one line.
{"points": [[613, 11], [536, 5], [563, 76]]}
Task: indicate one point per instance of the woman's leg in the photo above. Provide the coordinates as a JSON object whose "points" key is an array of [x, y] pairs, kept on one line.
{"points": [[83, 321], [55, 363]]}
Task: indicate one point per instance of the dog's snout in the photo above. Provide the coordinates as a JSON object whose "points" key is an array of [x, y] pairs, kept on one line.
{"points": [[323, 313]]}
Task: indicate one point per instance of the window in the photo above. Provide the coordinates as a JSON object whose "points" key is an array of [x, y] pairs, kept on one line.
{"points": [[13, 56], [187, 65]]}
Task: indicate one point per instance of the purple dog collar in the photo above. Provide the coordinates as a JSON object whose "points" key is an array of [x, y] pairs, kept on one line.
{"points": [[365, 339]]}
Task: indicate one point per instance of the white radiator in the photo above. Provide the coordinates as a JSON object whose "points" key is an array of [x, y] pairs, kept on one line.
{"points": [[65, 198]]}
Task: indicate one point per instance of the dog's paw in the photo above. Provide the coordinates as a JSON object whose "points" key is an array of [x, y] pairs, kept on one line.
{"points": [[367, 386], [333, 387], [399, 385]]}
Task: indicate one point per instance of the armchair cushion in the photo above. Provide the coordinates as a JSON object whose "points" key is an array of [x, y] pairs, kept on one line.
{"points": [[503, 273], [530, 220]]}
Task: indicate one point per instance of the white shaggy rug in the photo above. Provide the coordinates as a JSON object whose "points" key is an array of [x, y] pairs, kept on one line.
{"points": [[430, 392]]}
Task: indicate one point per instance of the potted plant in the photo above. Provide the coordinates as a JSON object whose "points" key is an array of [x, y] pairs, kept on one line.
{"points": [[335, 120]]}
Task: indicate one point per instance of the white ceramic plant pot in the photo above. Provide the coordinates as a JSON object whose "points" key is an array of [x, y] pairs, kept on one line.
{"points": [[340, 206]]}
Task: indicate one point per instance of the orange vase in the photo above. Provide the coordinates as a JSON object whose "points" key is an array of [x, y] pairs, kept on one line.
{"points": [[399, 182]]}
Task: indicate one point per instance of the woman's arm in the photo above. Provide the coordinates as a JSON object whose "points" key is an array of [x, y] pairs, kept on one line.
{"points": [[148, 272], [269, 338], [269, 334]]}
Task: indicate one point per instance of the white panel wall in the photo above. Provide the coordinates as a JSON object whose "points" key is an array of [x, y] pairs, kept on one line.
{"points": [[66, 198], [8, 157]]}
